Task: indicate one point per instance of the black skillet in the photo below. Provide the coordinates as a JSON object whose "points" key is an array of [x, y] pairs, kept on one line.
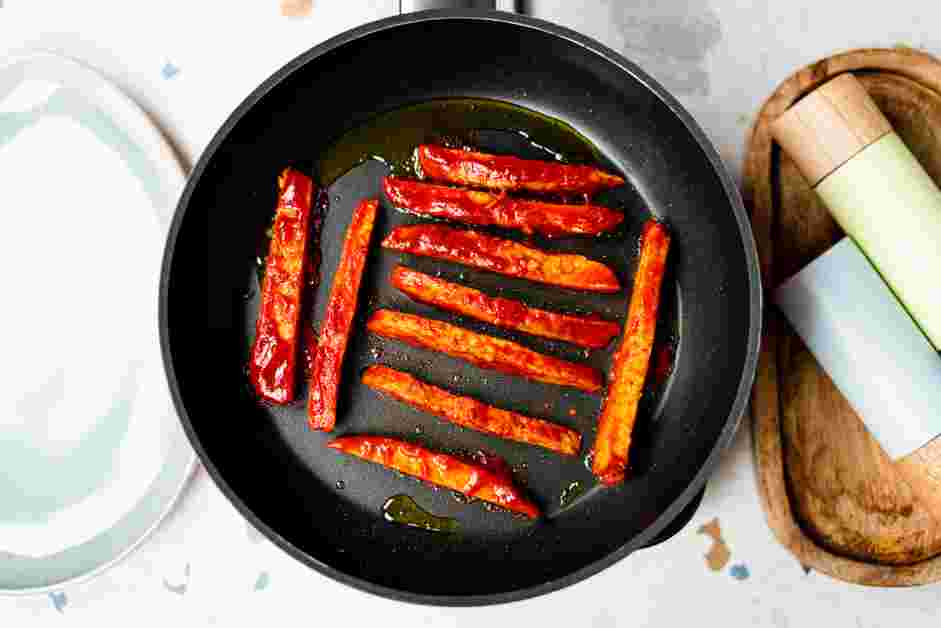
{"points": [[325, 509]]}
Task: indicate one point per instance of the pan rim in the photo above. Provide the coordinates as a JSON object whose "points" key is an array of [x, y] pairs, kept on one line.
{"points": [[755, 299]]}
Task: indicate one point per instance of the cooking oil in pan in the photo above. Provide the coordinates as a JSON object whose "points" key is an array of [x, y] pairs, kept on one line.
{"points": [[406, 511], [570, 493], [391, 137]]}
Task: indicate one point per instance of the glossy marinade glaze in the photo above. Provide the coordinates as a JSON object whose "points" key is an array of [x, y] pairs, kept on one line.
{"points": [[474, 207], [632, 360], [591, 333], [505, 257], [473, 480], [274, 354], [338, 320], [483, 351], [471, 413], [505, 172]]}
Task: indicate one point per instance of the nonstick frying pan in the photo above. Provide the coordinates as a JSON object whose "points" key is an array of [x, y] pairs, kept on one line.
{"points": [[325, 509]]}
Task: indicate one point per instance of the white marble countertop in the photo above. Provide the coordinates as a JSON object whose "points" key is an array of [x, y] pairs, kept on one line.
{"points": [[204, 566]]}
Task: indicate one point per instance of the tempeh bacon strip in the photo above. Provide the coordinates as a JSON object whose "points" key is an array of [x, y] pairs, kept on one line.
{"points": [[473, 480], [592, 333], [505, 257], [471, 413], [631, 362], [338, 319], [484, 208], [505, 172], [483, 351], [274, 355]]}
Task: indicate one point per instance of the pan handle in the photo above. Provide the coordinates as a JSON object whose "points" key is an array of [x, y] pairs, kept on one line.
{"points": [[407, 6]]}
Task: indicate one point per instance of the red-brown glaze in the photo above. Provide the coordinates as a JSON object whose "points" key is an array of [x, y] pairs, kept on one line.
{"points": [[481, 350], [309, 336], [494, 464], [338, 319], [471, 479], [309, 350], [471, 413], [505, 172], [505, 257], [593, 333], [483, 208], [273, 361], [632, 360], [663, 365]]}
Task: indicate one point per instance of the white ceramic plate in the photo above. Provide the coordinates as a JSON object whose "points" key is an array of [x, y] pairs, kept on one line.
{"points": [[92, 455]]}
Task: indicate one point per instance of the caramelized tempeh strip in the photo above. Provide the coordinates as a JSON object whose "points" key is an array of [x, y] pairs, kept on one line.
{"points": [[483, 208], [505, 172], [484, 351], [473, 480], [626, 379], [273, 361], [592, 333], [471, 413], [506, 257], [338, 319]]}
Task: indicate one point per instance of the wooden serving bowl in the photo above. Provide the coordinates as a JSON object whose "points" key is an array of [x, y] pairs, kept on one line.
{"points": [[830, 494]]}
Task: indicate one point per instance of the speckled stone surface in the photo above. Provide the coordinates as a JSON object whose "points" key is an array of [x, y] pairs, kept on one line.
{"points": [[188, 65]]}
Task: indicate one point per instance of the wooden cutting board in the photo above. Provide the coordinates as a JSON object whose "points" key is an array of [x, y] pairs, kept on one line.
{"points": [[831, 495]]}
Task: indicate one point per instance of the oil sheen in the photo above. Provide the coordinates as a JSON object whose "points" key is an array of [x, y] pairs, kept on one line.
{"points": [[404, 510], [570, 493], [490, 125]]}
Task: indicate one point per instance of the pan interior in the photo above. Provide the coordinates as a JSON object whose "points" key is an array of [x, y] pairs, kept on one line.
{"points": [[328, 506]]}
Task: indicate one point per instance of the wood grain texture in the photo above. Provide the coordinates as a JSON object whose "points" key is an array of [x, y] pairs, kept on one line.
{"points": [[830, 494], [829, 126]]}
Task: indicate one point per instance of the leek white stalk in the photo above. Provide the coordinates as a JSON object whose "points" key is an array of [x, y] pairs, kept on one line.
{"points": [[889, 205], [868, 345]]}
